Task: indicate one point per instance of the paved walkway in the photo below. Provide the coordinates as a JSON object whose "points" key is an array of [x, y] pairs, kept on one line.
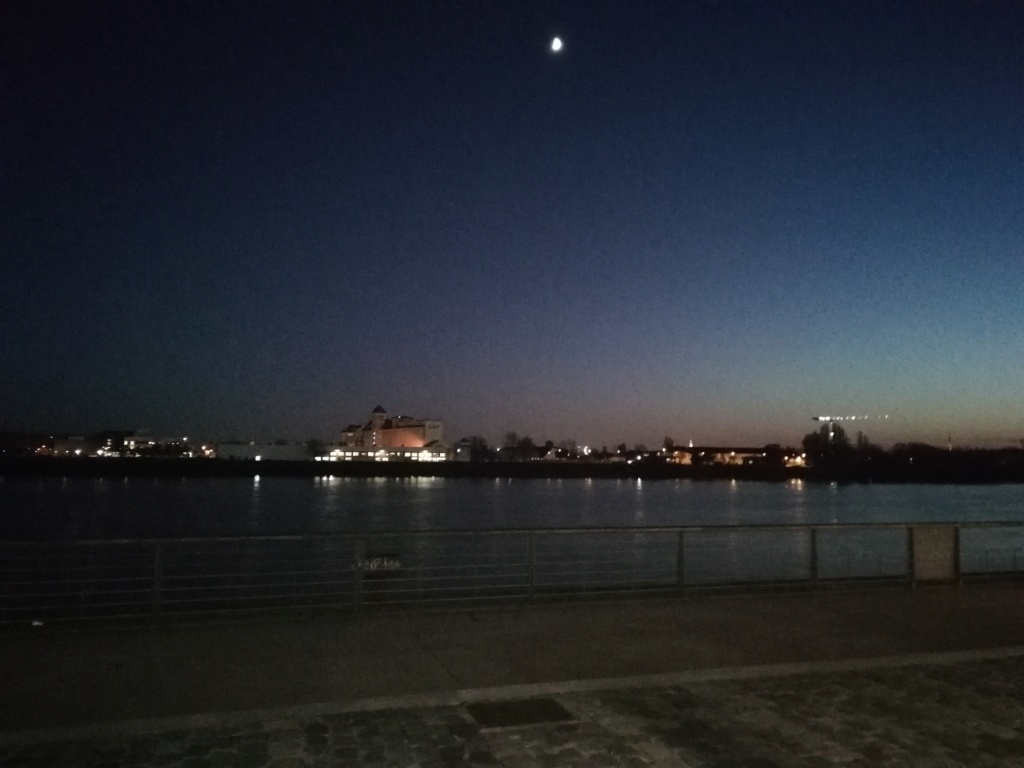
{"points": [[888, 677]]}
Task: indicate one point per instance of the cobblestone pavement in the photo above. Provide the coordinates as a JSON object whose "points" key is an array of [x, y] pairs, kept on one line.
{"points": [[936, 715]]}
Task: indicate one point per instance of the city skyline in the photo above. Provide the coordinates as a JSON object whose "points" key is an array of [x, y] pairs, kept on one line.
{"points": [[853, 429], [708, 221]]}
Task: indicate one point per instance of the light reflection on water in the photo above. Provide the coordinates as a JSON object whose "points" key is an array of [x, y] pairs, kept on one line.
{"points": [[253, 524], [89, 509], [78, 508]]}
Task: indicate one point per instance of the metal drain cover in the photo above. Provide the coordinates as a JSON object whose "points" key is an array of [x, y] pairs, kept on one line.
{"points": [[507, 714]]}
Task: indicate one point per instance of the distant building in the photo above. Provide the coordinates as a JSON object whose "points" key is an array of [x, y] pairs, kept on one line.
{"points": [[464, 450], [121, 444], [72, 445], [794, 459], [708, 455], [391, 438], [384, 431], [429, 453]]}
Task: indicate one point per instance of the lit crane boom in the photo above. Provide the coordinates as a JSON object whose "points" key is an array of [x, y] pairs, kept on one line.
{"points": [[833, 419], [846, 418]]}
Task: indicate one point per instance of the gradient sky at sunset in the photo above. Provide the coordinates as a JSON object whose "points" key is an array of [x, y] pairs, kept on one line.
{"points": [[707, 220]]}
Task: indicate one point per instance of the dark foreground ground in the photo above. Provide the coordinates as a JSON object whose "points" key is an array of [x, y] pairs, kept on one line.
{"points": [[929, 677]]}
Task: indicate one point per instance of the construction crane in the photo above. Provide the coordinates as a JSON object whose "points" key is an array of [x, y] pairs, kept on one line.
{"points": [[833, 419]]}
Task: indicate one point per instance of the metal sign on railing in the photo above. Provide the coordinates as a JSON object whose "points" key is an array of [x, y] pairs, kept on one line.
{"points": [[381, 563]]}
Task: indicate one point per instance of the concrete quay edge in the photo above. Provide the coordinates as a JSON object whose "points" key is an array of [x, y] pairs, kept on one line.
{"points": [[499, 693], [72, 685]]}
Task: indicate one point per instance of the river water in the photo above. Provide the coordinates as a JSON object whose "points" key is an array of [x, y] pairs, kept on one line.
{"points": [[411, 520], [82, 508]]}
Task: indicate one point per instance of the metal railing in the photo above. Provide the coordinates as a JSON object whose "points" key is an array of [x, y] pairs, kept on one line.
{"points": [[358, 573]]}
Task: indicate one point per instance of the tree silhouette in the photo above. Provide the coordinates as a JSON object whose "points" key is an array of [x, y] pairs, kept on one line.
{"points": [[828, 445], [526, 448], [479, 450]]}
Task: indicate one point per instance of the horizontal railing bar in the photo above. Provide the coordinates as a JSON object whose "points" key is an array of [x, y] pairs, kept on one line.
{"points": [[70, 607], [569, 577], [144, 584], [570, 571], [44, 562], [252, 609], [144, 577], [454, 567], [184, 615], [242, 598], [75, 595], [469, 533], [91, 579], [255, 574], [38, 582], [256, 598], [411, 588], [89, 588], [229, 590], [250, 587], [267, 566], [339, 598], [441, 598], [276, 594]]}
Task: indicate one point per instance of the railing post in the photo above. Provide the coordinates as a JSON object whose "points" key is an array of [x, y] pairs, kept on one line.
{"points": [[681, 562], [86, 580], [911, 572], [531, 557], [478, 540], [814, 557], [158, 578], [956, 556], [359, 558], [5, 601]]}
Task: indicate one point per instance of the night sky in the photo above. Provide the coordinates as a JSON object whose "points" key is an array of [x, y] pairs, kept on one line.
{"points": [[703, 220]]}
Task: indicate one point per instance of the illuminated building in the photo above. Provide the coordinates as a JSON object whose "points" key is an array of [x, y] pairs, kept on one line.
{"points": [[384, 431], [390, 438]]}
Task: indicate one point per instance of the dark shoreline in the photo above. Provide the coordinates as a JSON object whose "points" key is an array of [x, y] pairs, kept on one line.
{"points": [[884, 472]]}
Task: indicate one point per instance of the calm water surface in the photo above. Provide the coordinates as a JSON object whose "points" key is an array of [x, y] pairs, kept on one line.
{"points": [[92, 508]]}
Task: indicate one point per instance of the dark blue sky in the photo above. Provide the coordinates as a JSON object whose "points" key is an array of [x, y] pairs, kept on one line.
{"points": [[707, 220]]}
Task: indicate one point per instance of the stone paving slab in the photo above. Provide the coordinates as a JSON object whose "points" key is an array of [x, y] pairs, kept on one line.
{"points": [[962, 713]]}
